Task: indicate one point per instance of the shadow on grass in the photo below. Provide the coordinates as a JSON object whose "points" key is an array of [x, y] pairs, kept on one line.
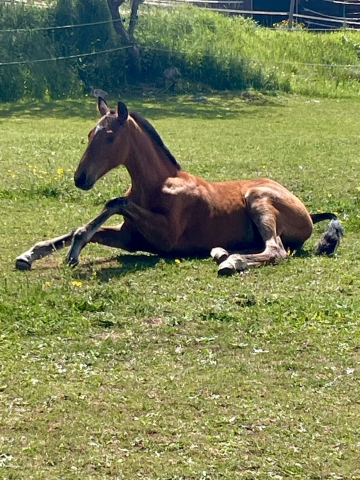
{"points": [[128, 263], [225, 105], [49, 108], [300, 253]]}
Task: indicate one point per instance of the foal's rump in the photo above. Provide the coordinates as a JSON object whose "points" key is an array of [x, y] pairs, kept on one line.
{"points": [[240, 215], [277, 212]]}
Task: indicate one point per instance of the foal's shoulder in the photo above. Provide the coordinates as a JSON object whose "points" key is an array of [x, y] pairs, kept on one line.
{"points": [[186, 184]]}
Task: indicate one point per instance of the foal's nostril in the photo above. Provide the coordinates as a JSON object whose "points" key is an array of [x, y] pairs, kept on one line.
{"points": [[80, 181]]}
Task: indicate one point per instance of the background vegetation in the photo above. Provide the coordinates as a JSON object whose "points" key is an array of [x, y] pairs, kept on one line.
{"points": [[212, 51], [131, 366]]}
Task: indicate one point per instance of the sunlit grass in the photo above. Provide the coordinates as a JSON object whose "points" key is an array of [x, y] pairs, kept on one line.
{"points": [[132, 366], [232, 52]]}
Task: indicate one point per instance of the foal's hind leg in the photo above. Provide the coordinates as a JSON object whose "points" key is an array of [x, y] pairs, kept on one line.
{"points": [[274, 251], [264, 215]]}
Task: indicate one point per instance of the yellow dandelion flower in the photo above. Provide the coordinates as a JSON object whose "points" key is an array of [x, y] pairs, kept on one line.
{"points": [[60, 171], [13, 175], [177, 261], [358, 188], [76, 283], [47, 284], [329, 195]]}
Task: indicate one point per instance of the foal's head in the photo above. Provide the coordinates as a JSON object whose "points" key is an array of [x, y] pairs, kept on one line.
{"points": [[108, 145]]}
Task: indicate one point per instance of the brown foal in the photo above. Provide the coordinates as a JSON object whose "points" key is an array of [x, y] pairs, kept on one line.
{"points": [[170, 212]]}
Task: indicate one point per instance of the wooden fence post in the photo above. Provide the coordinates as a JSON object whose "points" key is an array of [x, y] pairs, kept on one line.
{"points": [[291, 14]]}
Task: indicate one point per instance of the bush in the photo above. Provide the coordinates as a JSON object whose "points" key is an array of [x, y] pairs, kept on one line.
{"points": [[63, 77], [17, 81]]}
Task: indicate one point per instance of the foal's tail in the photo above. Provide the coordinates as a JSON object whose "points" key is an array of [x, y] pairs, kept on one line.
{"points": [[330, 239]]}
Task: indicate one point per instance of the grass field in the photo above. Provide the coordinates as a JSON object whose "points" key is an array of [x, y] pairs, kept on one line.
{"points": [[132, 366]]}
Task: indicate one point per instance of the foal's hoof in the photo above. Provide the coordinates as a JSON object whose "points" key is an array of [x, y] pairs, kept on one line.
{"points": [[234, 263], [219, 254], [22, 264], [226, 268], [71, 261]]}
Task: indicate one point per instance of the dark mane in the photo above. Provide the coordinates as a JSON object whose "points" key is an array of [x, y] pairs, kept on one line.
{"points": [[150, 130]]}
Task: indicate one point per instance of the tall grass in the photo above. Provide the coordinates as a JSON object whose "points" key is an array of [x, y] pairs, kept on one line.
{"points": [[211, 49], [234, 52]]}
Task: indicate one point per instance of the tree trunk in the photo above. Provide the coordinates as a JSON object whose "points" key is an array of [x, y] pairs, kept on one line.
{"points": [[133, 17], [127, 36]]}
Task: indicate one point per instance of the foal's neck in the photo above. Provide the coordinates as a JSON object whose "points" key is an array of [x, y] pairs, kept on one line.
{"points": [[148, 165]]}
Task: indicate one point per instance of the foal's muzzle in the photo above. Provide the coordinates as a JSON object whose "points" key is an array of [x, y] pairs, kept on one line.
{"points": [[82, 182]]}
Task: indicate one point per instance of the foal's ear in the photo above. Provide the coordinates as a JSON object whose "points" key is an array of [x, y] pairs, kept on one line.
{"points": [[122, 112], [102, 106]]}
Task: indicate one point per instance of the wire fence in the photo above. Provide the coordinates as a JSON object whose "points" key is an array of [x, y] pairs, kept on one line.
{"points": [[248, 59], [57, 27], [69, 57], [311, 17], [172, 3], [28, 64]]}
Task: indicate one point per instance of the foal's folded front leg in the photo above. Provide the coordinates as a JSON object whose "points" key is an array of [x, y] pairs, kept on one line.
{"points": [[162, 231], [84, 234]]}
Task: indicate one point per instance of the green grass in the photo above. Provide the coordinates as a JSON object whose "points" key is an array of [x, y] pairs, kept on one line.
{"points": [[132, 366], [236, 53], [212, 51]]}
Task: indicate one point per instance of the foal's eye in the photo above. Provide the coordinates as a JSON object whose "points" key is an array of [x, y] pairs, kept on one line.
{"points": [[110, 139]]}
